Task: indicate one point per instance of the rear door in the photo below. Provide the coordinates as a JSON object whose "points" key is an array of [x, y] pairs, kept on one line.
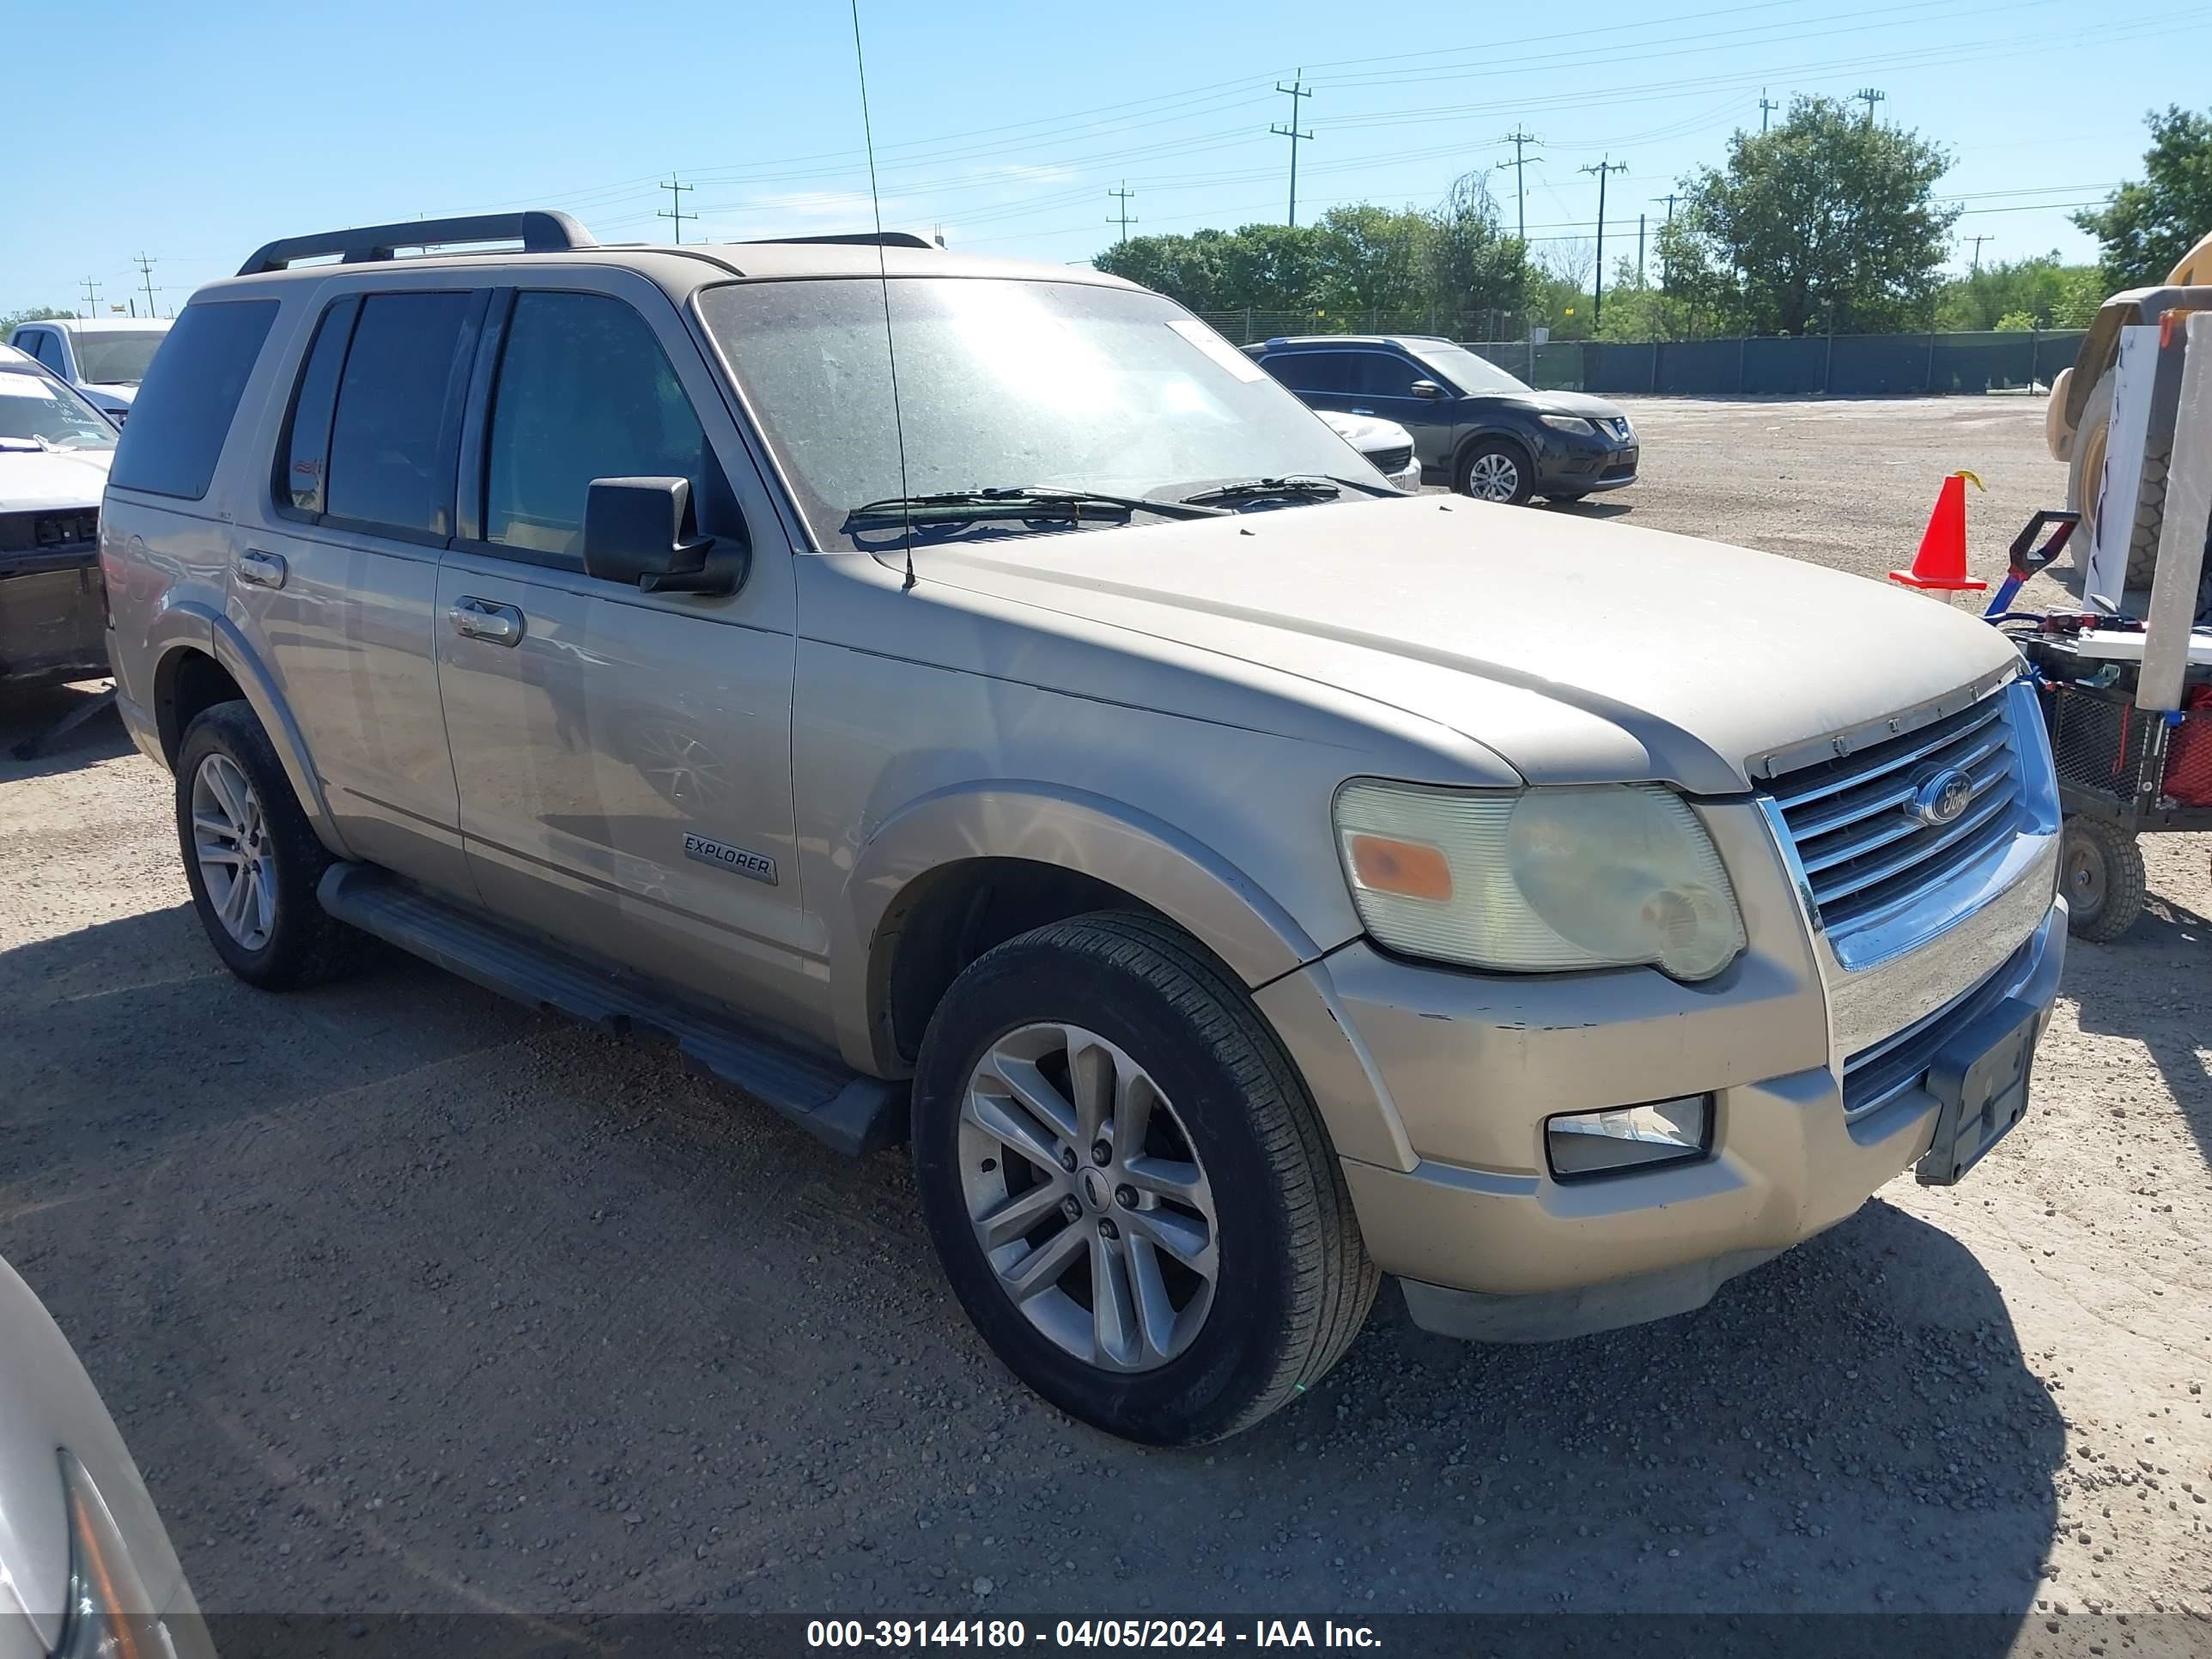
{"points": [[1322, 380], [1384, 382], [337, 569], [623, 758]]}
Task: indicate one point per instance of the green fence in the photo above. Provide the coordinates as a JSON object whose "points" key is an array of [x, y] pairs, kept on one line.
{"points": [[1841, 365]]}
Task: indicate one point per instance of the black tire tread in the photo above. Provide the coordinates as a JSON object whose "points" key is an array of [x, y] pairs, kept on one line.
{"points": [[312, 946], [2126, 884], [1334, 1280], [1513, 446]]}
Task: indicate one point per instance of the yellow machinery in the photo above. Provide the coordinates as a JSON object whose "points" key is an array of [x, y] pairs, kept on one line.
{"points": [[2080, 414]]}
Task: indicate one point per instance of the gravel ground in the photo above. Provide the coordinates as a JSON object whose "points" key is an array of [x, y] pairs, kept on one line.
{"points": [[406, 1299]]}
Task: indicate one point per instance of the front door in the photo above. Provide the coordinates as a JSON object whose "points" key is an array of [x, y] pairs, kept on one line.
{"points": [[623, 758], [1383, 381]]}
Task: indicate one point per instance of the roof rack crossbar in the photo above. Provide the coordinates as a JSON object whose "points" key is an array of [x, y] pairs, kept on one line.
{"points": [[858, 239], [539, 231]]}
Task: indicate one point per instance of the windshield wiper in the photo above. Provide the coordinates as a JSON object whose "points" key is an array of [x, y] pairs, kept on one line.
{"points": [[1019, 503], [1308, 486]]}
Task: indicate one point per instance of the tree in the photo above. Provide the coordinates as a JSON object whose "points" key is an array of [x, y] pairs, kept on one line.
{"points": [[1187, 269], [34, 314], [1827, 222], [1270, 267], [2042, 289], [1474, 270], [2146, 227]]}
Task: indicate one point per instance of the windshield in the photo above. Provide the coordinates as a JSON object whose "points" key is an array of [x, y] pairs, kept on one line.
{"points": [[42, 413], [1469, 373], [117, 359], [1004, 384]]}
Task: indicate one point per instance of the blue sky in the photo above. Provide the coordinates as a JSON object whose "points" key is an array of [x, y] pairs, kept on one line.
{"points": [[193, 134]]}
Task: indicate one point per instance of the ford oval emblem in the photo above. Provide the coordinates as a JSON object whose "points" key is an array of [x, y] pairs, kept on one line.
{"points": [[1941, 798]]}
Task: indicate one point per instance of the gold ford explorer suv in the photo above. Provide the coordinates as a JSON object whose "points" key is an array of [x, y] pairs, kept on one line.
{"points": [[969, 703]]}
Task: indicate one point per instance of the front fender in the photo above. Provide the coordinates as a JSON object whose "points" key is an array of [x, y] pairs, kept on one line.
{"points": [[192, 625], [1144, 856]]}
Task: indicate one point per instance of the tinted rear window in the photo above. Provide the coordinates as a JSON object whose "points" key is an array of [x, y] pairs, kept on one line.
{"points": [[392, 447], [183, 412], [1312, 371]]}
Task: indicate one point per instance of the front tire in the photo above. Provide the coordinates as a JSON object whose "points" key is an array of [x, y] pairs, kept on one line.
{"points": [[2100, 872], [251, 859], [1497, 470], [1129, 1186]]}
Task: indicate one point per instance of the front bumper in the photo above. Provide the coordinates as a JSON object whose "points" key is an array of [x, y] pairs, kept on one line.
{"points": [[1455, 1192], [1571, 464]]}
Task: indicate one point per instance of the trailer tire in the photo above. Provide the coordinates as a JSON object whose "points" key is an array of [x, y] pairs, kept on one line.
{"points": [[2100, 872], [2083, 476]]}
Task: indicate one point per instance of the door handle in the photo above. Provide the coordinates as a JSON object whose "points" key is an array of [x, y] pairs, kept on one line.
{"points": [[480, 619], [262, 569], [1362, 412]]}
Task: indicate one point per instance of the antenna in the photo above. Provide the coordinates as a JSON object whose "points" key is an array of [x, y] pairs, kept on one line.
{"points": [[883, 276]]}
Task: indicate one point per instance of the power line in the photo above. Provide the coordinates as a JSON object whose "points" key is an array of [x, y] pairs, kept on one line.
{"points": [[1297, 89], [1122, 217], [675, 210], [1869, 97], [1598, 294], [1517, 138]]}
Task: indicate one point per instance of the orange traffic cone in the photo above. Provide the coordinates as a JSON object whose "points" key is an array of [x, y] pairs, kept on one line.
{"points": [[1940, 564]]}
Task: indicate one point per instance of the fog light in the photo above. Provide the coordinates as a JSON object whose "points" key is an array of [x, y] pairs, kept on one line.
{"points": [[1629, 1137]]}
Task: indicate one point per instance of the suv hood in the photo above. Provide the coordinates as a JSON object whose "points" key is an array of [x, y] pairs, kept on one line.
{"points": [[40, 479], [1566, 402], [1578, 651]]}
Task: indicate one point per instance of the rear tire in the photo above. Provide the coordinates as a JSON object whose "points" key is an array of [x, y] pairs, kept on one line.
{"points": [[251, 859], [1497, 470], [2083, 475], [1193, 1344], [2100, 872]]}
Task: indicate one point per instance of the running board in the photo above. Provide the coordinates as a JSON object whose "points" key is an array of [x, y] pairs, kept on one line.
{"points": [[854, 1114]]}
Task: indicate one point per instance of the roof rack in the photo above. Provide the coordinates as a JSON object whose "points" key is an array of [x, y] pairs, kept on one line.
{"points": [[539, 231], [859, 239]]}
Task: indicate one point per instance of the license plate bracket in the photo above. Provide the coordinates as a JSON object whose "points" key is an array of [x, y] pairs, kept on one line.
{"points": [[1980, 1082]]}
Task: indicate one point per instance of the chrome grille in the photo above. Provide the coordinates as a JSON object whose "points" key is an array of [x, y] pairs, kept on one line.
{"points": [[1391, 462], [1879, 1073], [1862, 848]]}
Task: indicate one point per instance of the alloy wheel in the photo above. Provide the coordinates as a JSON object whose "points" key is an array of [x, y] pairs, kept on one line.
{"points": [[1494, 477], [231, 846], [1087, 1197]]}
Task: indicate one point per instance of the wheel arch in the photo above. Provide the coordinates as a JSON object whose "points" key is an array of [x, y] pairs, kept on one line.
{"points": [[1484, 434], [198, 656], [960, 870]]}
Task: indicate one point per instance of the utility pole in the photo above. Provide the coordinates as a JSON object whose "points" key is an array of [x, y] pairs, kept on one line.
{"points": [[1639, 250], [1517, 138], [1766, 107], [1869, 97], [675, 210], [1298, 89], [1978, 241], [1122, 217], [146, 271], [91, 300], [1668, 198], [1597, 294]]}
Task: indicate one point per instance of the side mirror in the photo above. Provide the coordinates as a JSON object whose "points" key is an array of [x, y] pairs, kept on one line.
{"points": [[1426, 389], [643, 531]]}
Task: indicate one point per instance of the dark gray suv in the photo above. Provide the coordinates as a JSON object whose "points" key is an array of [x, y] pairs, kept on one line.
{"points": [[1474, 427]]}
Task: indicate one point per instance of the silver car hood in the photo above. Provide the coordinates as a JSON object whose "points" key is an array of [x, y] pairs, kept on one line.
{"points": [[1577, 650], [50, 478]]}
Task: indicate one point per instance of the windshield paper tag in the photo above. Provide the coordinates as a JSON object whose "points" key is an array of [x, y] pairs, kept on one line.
{"points": [[1210, 342]]}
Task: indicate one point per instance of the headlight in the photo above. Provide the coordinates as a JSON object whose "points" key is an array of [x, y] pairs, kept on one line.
{"points": [[1568, 423], [110, 1615], [1539, 880]]}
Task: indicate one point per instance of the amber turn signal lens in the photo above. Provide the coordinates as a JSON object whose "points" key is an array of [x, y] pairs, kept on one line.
{"points": [[1406, 868]]}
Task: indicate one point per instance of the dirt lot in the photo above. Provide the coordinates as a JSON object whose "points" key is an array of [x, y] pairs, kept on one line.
{"points": [[406, 1299]]}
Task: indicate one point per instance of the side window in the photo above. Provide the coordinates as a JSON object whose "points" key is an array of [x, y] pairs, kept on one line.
{"points": [[585, 392], [183, 412], [46, 347], [303, 459], [393, 433], [1385, 374], [1312, 371]]}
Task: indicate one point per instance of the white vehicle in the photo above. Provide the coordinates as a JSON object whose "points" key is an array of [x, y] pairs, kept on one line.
{"points": [[54, 451], [105, 358], [1387, 446]]}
